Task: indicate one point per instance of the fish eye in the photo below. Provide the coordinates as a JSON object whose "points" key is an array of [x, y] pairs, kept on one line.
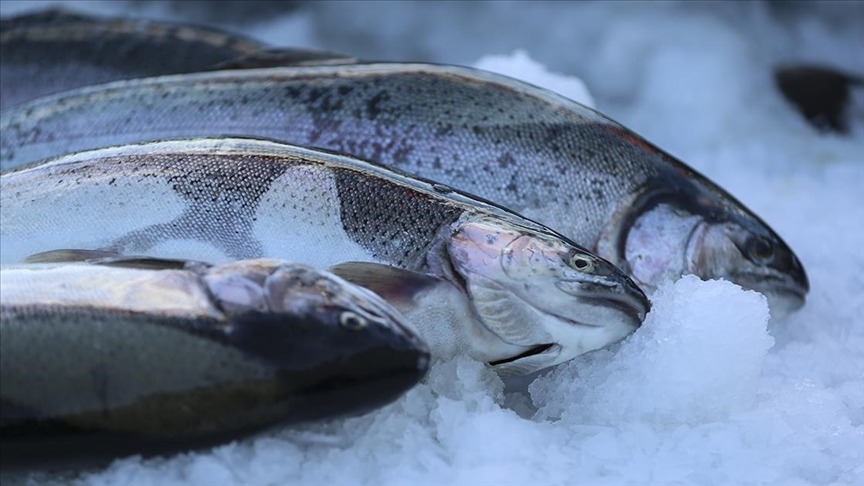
{"points": [[761, 249], [352, 321], [581, 263]]}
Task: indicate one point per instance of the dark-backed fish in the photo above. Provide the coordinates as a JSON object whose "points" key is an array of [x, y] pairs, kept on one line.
{"points": [[55, 50], [529, 149], [103, 360]]}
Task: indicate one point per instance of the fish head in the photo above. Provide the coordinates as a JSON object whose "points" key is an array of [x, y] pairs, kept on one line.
{"points": [[537, 290], [720, 240], [676, 221], [335, 340], [756, 260]]}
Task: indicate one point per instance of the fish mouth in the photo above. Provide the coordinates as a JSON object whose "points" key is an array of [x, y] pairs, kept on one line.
{"points": [[635, 307], [624, 297], [539, 349]]}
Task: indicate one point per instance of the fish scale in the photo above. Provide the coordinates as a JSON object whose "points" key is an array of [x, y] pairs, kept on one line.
{"points": [[400, 236]]}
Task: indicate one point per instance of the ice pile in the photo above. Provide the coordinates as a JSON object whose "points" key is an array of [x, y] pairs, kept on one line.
{"points": [[697, 358]]}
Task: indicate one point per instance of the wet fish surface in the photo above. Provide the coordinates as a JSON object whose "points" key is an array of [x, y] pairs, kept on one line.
{"points": [[103, 360], [511, 292], [55, 50], [533, 151]]}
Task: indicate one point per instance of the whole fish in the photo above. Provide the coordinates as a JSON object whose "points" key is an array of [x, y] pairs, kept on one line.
{"points": [[531, 150], [55, 50], [516, 294], [105, 360]]}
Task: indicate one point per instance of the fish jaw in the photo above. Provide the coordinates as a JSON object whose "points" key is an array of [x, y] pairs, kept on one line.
{"points": [[541, 292]]}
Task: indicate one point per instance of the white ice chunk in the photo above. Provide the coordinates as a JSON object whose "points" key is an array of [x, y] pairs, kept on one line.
{"points": [[520, 66], [697, 357]]}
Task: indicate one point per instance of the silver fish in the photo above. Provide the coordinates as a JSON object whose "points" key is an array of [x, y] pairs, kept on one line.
{"points": [[104, 359], [521, 296], [531, 150], [55, 50]]}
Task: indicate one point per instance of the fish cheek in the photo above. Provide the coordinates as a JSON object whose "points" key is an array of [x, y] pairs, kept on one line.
{"points": [[713, 252], [656, 247]]}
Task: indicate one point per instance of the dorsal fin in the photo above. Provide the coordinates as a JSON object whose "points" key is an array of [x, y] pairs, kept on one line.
{"points": [[113, 259], [283, 57], [68, 256]]}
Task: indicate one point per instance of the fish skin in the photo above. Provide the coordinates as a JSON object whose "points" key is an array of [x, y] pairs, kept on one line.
{"points": [[52, 51], [224, 199], [529, 149], [102, 361]]}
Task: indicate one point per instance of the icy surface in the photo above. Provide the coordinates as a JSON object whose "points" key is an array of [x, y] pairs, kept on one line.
{"points": [[707, 391]]}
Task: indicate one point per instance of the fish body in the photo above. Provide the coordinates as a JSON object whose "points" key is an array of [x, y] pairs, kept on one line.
{"points": [[523, 287], [52, 51], [98, 359], [535, 152]]}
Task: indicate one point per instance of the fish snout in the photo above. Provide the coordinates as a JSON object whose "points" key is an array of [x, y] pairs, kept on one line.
{"points": [[612, 289]]}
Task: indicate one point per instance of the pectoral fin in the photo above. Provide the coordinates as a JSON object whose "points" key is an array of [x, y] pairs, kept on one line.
{"points": [[283, 57], [397, 286]]}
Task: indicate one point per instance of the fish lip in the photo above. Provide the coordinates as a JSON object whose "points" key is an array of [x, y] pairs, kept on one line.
{"points": [[633, 304], [636, 316], [533, 351]]}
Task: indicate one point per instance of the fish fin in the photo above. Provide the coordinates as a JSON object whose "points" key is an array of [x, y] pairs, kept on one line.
{"points": [[395, 285], [148, 263], [503, 313], [113, 259], [283, 57], [68, 256]]}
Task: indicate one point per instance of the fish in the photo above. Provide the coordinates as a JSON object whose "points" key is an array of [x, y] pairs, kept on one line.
{"points": [[519, 296], [820, 93], [533, 151], [56, 50], [108, 358]]}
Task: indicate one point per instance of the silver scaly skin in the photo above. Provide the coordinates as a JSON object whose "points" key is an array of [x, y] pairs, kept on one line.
{"points": [[223, 199], [535, 152], [137, 359]]}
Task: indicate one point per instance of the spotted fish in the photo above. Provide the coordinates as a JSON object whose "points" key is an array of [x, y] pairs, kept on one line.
{"points": [[509, 291], [535, 152]]}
